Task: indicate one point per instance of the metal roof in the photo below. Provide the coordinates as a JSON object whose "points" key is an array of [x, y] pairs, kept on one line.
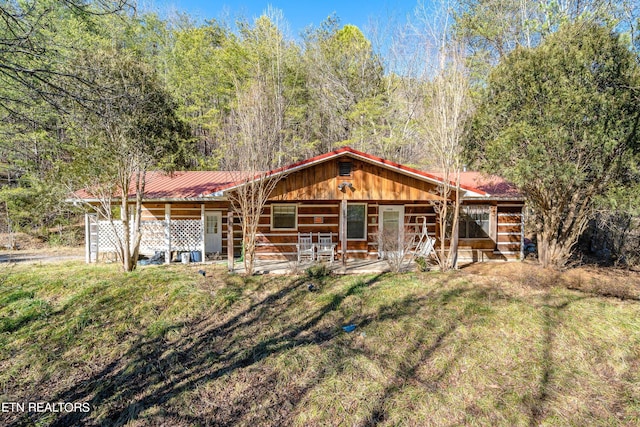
{"points": [[187, 185]]}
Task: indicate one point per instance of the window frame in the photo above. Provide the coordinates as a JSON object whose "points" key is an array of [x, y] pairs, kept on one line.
{"points": [[365, 227], [464, 210], [295, 213]]}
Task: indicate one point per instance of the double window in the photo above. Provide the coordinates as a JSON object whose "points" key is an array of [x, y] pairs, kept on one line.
{"points": [[474, 222], [284, 217]]}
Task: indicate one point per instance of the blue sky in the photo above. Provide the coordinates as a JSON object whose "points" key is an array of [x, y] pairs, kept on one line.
{"points": [[298, 14]]}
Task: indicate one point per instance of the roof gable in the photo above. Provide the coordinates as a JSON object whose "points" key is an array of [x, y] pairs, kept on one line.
{"points": [[350, 152]]}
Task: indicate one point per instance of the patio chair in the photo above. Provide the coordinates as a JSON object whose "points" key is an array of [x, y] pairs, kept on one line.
{"points": [[305, 247], [425, 245], [326, 247]]}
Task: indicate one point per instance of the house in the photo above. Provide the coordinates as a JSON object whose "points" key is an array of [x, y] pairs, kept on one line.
{"points": [[353, 195]]}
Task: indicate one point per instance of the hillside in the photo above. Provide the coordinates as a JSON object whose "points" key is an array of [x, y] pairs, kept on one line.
{"points": [[496, 344]]}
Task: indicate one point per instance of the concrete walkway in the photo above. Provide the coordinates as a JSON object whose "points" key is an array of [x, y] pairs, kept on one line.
{"points": [[363, 266]]}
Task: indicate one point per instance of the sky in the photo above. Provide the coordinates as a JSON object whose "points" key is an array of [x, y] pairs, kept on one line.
{"points": [[298, 13]]}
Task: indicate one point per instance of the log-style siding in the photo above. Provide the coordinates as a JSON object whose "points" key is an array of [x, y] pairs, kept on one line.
{"points": [[273, 243], [323, 216], [510, 230], [315, 192]]}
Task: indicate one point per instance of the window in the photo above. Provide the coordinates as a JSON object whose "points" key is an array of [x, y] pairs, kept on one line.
{"points": [[474, 222], [356, 221], [284, 217], [344, 168], [212, 224]]}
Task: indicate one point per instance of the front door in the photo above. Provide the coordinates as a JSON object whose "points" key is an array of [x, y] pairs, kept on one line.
{"points": [[391, 233], [213, 232]]}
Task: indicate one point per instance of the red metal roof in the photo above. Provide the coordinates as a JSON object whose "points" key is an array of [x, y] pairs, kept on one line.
{"points": [[492, 185], [181, 185], [197, 184], [186, 185]]}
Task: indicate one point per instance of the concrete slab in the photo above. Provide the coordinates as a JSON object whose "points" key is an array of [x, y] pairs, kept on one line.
{"points": [[353, 266]]}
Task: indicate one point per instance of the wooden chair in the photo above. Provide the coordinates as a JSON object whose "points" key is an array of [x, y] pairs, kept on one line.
{"points": [[326, 247], [305, 246]]}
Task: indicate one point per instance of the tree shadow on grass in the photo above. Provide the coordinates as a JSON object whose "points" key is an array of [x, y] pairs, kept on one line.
{"points": [[422, 351], [155, 371], [550, 320]]}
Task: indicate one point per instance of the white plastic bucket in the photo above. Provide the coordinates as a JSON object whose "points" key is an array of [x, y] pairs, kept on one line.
{"points": [[186, 257]]}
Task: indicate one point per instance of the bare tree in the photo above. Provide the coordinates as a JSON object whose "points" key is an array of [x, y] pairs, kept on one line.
{"points": [[31, 62], [398, 247], [250, 157], [256, 136], [448, 108]]}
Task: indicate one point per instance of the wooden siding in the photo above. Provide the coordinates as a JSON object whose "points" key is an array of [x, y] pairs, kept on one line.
{"points": [[282, 243], [509, 231], [152, 211], [323, 216], [275, 243], [503, 244], [369, 182]]}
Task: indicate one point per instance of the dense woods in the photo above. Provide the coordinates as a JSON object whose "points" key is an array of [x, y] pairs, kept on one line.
{"points": [[545, 93]]}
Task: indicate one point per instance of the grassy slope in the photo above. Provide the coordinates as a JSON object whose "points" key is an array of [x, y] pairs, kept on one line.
{"points": [[488, 345]]}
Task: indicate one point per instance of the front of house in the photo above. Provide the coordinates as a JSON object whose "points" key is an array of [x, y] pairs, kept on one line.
{"points": [[356, 197]]}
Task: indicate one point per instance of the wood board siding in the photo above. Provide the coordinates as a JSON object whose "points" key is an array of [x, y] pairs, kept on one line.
{"points": [[323, 216], [278, 244], [368, 181], [509, 231]]}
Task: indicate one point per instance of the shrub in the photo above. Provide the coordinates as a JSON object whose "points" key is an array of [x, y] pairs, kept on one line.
{"points": [[318, 271]]}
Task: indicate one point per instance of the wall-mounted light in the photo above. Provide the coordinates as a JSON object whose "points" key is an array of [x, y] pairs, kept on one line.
{"points": [[344, 185]]}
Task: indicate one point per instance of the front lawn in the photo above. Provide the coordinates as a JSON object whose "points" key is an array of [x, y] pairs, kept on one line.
{"points": [[494, 344]]}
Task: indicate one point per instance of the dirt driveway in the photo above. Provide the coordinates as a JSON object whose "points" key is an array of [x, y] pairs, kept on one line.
{"points": [[38, 256]]}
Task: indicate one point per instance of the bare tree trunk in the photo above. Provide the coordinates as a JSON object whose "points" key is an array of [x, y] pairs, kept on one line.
{"points": [[448, 108]]}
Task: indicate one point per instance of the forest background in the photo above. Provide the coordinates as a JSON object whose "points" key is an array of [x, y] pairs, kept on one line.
{"points": [[90, 88]]}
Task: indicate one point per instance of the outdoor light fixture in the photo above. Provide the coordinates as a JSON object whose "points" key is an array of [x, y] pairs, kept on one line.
{"points": [[344, 185]]}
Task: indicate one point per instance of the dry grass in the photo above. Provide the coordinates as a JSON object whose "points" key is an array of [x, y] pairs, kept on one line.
{"points": [[493, 344]]}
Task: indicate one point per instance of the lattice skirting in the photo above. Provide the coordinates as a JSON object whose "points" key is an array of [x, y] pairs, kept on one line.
{"points": [[175, 235]]}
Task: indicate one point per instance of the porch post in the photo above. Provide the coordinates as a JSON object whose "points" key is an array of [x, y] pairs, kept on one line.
{"points": [[230, 240], [87, 239], [167, 233], [204, 231], [521, 232], [343, 230]]}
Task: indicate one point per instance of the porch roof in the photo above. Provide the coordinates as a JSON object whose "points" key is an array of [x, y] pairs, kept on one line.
{"points": [[181, 185]]}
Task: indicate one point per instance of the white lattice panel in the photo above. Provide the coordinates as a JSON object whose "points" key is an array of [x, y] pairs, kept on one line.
{"points": [[186, 235], [108, 235], [154, 236]]}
